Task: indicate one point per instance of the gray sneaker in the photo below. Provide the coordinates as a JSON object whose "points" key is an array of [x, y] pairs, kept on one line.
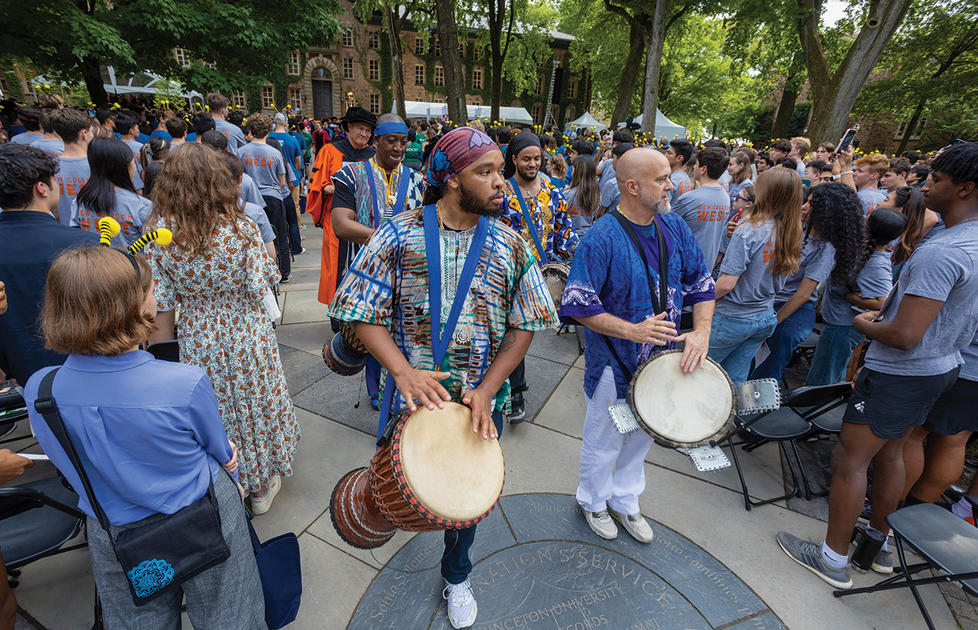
{"points": [[601, 524], [634, 524], [809, 555], [883, 562]]}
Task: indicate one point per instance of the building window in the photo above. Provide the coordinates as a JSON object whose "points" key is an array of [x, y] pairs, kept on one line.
{"points": [[373, 39], [267, 96], [920, 129], [294, 101], [477, 79], [915, 133], [238, 99], [418, 46], [439, 76], [375, 103], [347, 39], [572, 88], [293, 63], [537, 113], [347, 68], [541, 82], [437, 47], [419, 74], [181, 56], [373, 69], [570, 114], [4, 87]]}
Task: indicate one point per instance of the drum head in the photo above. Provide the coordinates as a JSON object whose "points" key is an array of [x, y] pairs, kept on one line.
{"points": [[555, 275], [456, 474], [681, 410]]}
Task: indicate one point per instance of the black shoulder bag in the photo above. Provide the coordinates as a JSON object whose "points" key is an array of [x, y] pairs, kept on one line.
{"points": [[160, 555], [658, 305]]}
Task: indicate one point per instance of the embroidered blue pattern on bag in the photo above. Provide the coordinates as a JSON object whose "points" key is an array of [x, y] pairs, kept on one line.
{"points": [[149, 576]]}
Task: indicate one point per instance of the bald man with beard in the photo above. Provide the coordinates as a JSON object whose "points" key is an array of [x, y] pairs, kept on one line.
{"points": [[608, 291]]}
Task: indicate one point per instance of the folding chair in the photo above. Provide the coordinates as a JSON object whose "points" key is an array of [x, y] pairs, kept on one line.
{"points": [[947, 544], [12, 410]]}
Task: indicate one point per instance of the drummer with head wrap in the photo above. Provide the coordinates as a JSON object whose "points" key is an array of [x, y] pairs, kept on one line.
{"points": [[614, 289], [449, 280], [538, 211], [370, 192]]}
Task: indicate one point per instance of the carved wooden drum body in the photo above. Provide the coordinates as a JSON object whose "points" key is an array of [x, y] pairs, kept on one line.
{"points": [[345, 354]]}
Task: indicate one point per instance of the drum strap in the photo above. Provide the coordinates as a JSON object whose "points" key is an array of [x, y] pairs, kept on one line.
{"points": [[658, 305], [531, 227]]}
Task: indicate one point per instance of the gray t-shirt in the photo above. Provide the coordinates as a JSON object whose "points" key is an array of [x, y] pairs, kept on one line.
{"points": [[264, 164], [945, 268], [817, 261], [749, 256], [705, 210], [72, 175], [680, 184], [874, 280], [871, 198], [233, 133], [610, 195], [582, 222], [54, 147], [130, 210], [257, 214], [969, 371], [248, 191], [28, 137]]}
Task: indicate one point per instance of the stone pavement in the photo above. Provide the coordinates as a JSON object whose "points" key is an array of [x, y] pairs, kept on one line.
{"points": [[712, 565]]}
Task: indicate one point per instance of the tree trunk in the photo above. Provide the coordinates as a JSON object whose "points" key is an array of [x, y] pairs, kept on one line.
{"points": [[393, 24], [92, 73], [911, 126], [782, 121], [655, 38], [629, 74], [834, 93], [448, 38]]}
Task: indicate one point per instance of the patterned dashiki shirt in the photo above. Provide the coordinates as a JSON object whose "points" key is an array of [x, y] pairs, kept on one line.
{"points": [[388, 284], [548, 210], [608, 276]]}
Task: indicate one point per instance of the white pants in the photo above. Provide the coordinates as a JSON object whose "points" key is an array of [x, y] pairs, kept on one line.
{"points": [[612, 465]]}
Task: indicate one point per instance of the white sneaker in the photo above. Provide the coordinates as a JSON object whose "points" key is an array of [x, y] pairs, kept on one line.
{"points": [[601, 524], [635, 524], [262, 504], [462, 607]]}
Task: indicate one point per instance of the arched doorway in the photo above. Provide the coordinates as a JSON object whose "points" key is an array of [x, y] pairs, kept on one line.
{"points": [[322, 93]]}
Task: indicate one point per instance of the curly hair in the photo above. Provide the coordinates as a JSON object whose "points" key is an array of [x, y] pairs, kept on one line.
{"points": [[959, 162], [837, 215], [194, 194]]}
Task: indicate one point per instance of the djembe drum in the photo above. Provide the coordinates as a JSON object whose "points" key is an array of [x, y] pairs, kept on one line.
{"points": [[434, 473], [345, 354], [555, 275]]}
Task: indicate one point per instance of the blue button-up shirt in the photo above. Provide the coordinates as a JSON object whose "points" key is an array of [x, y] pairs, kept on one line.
{"points": [[148, 432]]}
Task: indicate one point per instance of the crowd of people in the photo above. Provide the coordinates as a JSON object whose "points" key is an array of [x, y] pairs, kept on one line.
{"points": [[434, 238]]}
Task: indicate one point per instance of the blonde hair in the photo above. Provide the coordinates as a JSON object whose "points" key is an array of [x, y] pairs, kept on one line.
{"points": [[778, 194], [93, 302], [803, 144]]}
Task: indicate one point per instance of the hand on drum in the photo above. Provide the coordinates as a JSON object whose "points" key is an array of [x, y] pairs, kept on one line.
{"points": [[656, 330], [694, 353], [423, 385], [481, 404]]}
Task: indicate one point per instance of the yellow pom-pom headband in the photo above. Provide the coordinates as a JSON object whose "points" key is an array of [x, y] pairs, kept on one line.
{"points": [[161, 236], [107, 228]]}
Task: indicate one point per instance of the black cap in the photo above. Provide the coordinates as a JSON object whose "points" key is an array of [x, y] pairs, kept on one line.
{"points": [[359, 114]]}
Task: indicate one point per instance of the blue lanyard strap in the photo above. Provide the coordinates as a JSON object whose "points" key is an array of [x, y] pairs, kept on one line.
{"points": [[405, 179], [528, 220]]}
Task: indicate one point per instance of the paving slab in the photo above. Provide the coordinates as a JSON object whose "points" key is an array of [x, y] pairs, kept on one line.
{"points": [[332, 583], [547, 344], [302, 369], [336, 397], [308, 337], [302, 306]]}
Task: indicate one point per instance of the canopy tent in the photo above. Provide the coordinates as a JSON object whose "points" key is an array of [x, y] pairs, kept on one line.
{"points": [[587, 120], [664, 128], [422, 109], [132, 83]]}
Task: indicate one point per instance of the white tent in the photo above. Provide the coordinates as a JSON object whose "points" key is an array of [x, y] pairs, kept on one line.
{"points": [[421, 109], [664, 128], [587, 120]]}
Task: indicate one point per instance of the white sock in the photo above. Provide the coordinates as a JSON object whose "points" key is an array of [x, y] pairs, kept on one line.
{"points": [[962, 509], [833, 559]]}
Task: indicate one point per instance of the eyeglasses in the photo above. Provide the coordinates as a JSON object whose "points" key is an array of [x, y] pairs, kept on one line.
{"points": [[744, 199]]}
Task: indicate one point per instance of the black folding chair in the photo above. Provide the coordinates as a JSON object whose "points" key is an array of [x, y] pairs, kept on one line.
{"points": [[12, 410], [948, 545], [36, 520]]}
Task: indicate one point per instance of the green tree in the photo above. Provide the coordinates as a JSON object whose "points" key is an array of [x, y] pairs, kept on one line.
{"points": [[248, 40]]}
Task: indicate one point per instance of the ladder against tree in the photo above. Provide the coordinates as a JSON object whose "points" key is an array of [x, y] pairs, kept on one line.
{"points": [[548, 117]]}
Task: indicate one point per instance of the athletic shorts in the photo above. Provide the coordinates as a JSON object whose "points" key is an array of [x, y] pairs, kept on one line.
{"points": [[956, 410], [890, 404]]}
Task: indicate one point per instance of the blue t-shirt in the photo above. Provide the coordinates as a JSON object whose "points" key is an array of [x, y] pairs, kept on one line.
{"points": [[292, 150], [749, 257], [945, 269], [55, 147], [248, 191], [233, 133], [28, 137], [160, 133], [257, 214], [969, 371], [872, 281], [72, 175], [130, 210], [264, 164], [705, 210], [817, 262], [871, 198]]}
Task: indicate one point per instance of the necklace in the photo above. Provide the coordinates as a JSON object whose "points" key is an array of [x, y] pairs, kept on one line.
{"points": [[388, 183]]}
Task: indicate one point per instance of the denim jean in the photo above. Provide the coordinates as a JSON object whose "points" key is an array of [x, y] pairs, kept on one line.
{"points": [[455, 562], [275, 211], [295, 240], [735, 340], [785, 339], [835, 345]]}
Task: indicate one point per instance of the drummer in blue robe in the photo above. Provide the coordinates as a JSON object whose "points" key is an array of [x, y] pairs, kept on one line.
{"points": [[369, 193], [614, 292]]}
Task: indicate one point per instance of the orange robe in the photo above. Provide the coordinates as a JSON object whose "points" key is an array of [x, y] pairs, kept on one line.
{"points": [[319, 205]]}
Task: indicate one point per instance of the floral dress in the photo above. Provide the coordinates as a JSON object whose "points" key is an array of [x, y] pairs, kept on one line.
{"points": [[225, 329]]}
